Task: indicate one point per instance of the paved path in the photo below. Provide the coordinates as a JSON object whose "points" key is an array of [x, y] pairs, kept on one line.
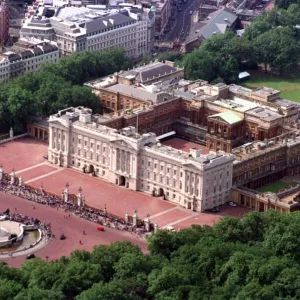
{"points": [[72, 227]]}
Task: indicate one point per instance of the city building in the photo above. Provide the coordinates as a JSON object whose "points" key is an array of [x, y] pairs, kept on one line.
{"points": [[257, 129], [162, 9], [129, 89], [37, 27], [217, 22], [139, 161], [4, 22], [28, 56], [78, 29]]}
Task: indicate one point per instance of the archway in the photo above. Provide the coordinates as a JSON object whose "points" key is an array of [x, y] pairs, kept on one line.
{"points": [[160, 192], [91, 169], [122, 180]]}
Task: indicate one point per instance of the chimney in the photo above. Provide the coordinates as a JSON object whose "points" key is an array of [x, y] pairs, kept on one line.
{"points": [[195, 152]]}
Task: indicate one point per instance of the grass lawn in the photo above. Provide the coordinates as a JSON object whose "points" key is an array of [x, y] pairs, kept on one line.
{"points": [[274, 187], [289, 87]]}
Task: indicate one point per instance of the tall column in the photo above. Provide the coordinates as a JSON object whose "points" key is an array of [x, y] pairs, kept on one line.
{"points": [[56, 138], [118, 159], [195, 184]]}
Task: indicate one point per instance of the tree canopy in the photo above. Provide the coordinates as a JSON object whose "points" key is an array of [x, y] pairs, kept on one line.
{"points": [[256, 257], [271, 40], [56, 86]]}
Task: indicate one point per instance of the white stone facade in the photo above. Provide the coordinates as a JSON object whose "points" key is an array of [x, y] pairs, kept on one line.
{"points": [[87, 30], [139, 162], [13, 64]]}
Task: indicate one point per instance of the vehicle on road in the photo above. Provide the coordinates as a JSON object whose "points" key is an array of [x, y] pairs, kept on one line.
{"points": [[100, 228], [170, 228], [231, 203], [191, 12], [30, 256], [62, 236]]}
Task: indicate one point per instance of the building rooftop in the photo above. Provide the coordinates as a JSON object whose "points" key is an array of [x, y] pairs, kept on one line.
{"points": [[265, 91], [264, 113], [195, 155], [236, 104], [111, 21], [148, 72], [228, 116], [135, 91], [218, 22], [285, 103]]}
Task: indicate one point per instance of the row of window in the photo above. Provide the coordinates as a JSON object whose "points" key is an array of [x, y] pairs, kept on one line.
{"points": [[110, 29]]}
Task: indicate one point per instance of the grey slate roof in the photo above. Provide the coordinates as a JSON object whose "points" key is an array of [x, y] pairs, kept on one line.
{"points": [[147, 72], [106, 22], [26, 54], [219, 22], [134, 91], [37, 51], [49, 48], [13, 57]]}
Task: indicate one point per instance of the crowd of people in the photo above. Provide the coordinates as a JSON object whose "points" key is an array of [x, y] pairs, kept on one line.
{"points": [[17, 217], [100, 217]]}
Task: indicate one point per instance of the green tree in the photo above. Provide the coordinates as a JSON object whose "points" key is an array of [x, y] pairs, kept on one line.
{"points": [[9, 289], [101, 291]]}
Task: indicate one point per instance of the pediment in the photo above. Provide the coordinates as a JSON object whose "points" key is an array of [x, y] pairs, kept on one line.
{"points": [[121, 144], [191, 165], [57, 123], [218, 119]]}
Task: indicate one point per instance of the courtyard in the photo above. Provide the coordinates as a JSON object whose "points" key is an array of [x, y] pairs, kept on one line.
{"points": [[275, 187], [37, 172], [184, 145]]}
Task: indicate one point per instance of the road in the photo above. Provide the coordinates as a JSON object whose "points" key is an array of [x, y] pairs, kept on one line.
{"points": [[183, 21], [60, 222]]}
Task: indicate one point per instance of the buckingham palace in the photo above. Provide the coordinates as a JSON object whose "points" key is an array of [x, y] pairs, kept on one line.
{"points": [[139, 161]]}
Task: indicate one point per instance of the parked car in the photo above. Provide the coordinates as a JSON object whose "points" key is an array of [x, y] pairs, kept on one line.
{"points": [[232, 203], [30, 256], [215, 209]]}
